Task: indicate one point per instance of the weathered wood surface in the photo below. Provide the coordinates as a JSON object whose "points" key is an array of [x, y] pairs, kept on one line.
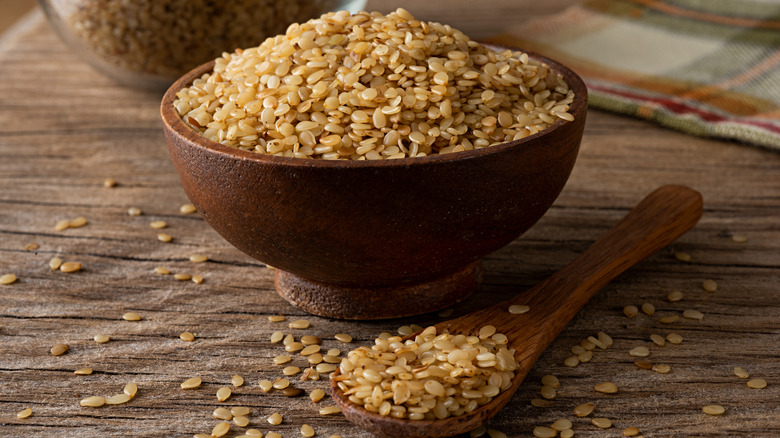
{"points": [[64, 129]]}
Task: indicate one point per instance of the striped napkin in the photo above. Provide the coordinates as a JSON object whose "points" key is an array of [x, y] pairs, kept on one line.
{"points": [[706, 67]]}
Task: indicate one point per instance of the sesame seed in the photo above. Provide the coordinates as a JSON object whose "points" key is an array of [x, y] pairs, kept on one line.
{"points": [[299, 324], [292, 391], [682, 256], [584, 409], [197, 279], [561, 424], [265, 385], [606, 388], [567, 433], [544, 432], [78, 222], [198, 258], [55, 263], [275, 419], [330, 410], [648, 309], [605, 339], [133, 211], [62, 225], [517, 309], [24, 413], [131, 316], [93, 402], [310, 349], [674, 296], [162, 270], [164, 237], [187, 337], [668, 319], [577, 349], [223, 393], [117, 399], [571, 361], [630, 431], [291, 370], [541, 403], [187, 209], [8, 279], [693, 314], [158, 225], [551, 380], [586, 344], [59, 349], [253, 433], [630, 311], [741, 373], [31, 247], [548, 392], [493, 433], [639, 352], [585, 356], [486, 331], [241, 421], [70, 267], [307, 431], [293, 346], [273, 435], [597, 342], [281, 383], [83, 371], [182, 277], [662, 368], [343, 337], [191, 383], [220, 429], [101, 339], [280, 360], [310, 340], [237, 380], [277, 337], [674, 338], [317, 395], [756, 383], [739, 238], [222, 414], [326, 367], [131, 389], [276, 318], [713, 410], [240, 411], [658, 340], [109, 183], [603, 423], [709, 285]]}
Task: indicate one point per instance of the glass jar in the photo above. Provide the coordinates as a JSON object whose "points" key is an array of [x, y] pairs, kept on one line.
{"points": [[150, 43]]}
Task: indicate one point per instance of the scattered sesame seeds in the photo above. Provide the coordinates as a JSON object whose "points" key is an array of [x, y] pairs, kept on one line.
{"points": [[93, 402], [117, 399], [158, 225], [479, 431], [240, 411], [741, 373], [282, 359], [131, 389], [55, 263], [662, 368], [70, 267], [134, 211], [220, 429], [187, 337], [326, 367], [630, 431], [59, 349], [658, 340], [182, 277], [682, 256], [277, 337], [8, 279], [605, 339], [241, 421], [517, 309], [265, 385], [109, 183], [191, 383], [561, 424], [317, 395], [713, 410], [639, 352], [281, 383], [307, 431], [674, 296], [187, 209], [544, 432], [603, 423], [222, 414], [237, 380], [343, 337], [162, 270], [330, 410], [674, 338], [630, 311], [551, 380], [606, 388], [101, 339], [293, 346], [739, 238], [668, 319], [709, 285], [577, 349], [648, 309], [275, 419], [597, 342], [276, 318], [223, 393], [24, 413], [756, 383], [584, 409], [83, 371], [198, 258], [291, 370], [164, 237], [299, 324], [571, 361], [131, 316], [693, 314], [548, 392], [585, 356], [310, 340]]}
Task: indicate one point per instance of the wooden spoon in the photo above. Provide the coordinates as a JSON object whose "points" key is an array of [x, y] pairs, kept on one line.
{"points": [[658, 220]]}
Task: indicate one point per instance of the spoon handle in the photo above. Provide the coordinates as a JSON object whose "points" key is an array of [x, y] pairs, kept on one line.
{"points": [[658, 220]]}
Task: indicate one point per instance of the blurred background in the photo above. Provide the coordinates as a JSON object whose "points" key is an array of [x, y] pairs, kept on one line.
{"points": [[12, 10]]}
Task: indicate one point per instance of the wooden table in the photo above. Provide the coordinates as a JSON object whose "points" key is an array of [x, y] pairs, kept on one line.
{"points": [[60, 139]]}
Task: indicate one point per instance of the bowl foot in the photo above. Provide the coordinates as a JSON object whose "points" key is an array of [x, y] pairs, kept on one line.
{"points": [[378, 303]]}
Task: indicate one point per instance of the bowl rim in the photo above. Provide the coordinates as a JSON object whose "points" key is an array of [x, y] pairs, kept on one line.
{"points": [[174, 123]]}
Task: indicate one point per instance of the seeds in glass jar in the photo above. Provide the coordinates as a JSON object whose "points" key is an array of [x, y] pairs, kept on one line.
{"points": [[709, 285], [131, 316], [714, 410], [275, 419], [674, 338], [299, 324], [237, 380], [317, 395], [307, 431], [639, 352], [674, 296], [630, 311], [584, 409], [198, 258], [658, 340], [682, 256], [693, 314], [187, 209], [117, 399], [606, 388], [55, 263], [517, 309], [756, 383], [59, 349], [603, 423], [330, 410], [343, 337], [648, 309], [24, 413], [134, 211], [102, 339], [93, 402], [191, 383], [83, 371], [158, 225], [544, 432], [187, 337], [8, 279], [662, 368], [220, 429], [131, 389], [741, 373], [70, 267], [223, 393]]}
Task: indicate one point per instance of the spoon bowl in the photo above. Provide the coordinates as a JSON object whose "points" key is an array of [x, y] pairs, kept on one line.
{"points": [[658, 220]]}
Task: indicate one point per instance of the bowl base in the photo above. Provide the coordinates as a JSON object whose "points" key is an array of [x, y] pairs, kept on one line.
{"points": [[378, 303]]}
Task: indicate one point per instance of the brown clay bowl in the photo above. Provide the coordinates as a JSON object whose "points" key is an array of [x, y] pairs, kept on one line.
{"points": [[375, 239]]}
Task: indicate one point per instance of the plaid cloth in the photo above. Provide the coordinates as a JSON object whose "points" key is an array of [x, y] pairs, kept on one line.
{"points": [[706, 67]]}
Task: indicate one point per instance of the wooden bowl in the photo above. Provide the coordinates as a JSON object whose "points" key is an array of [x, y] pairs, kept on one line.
{"points": [[375, 239]]}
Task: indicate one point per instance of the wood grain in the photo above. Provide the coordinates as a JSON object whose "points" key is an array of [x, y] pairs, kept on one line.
{"points": [[65, 128]]}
